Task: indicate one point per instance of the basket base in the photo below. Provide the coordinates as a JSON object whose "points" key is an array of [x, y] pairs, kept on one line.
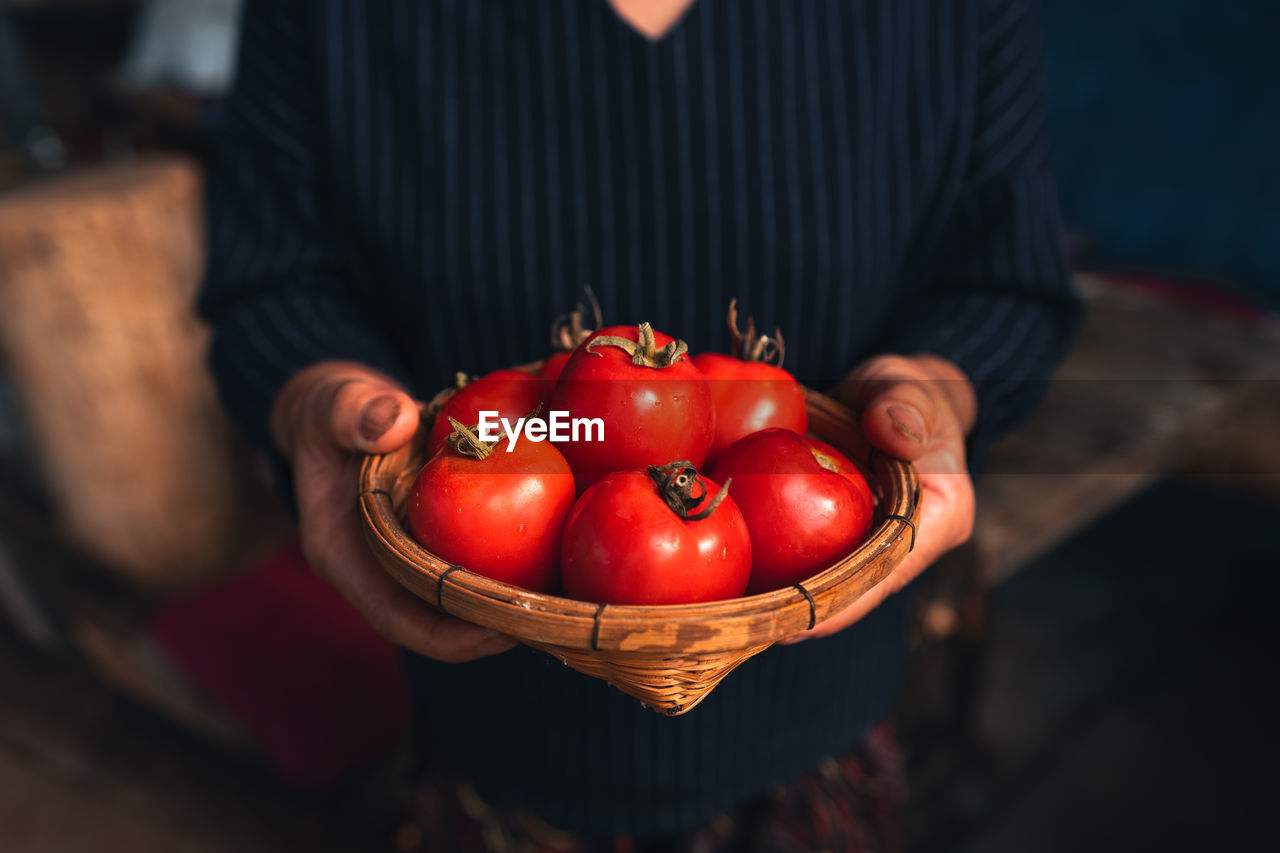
{"points": [[671, 685]]}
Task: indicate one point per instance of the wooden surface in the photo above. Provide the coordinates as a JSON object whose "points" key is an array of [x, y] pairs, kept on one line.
{"points": [[1151, 386], [97, 279]]}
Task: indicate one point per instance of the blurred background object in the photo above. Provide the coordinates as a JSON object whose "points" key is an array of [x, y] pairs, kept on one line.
{"points": [[1081, 669], [89, 81], [187, 44], [1166, 127], [139, 538], [100, 269], [27, 132]]}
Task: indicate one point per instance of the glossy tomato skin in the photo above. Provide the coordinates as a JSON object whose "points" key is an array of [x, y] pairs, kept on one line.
{"points": [[650, 415], [802, 516], [623, 545], [750, 396], [501, 517], [512, 393], [554, 366]]}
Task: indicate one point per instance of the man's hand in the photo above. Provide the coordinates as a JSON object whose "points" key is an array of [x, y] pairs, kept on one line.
{"points": [[916, 408], [322, 420]]}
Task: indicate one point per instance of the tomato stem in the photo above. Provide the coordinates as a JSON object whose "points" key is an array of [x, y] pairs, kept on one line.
{"points": [[460, 381], [753, 347], [676, 482], [644, 352], [567, 330], [466, 440]]}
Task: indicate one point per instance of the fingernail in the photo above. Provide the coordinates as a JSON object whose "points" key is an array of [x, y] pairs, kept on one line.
{"points": [[378, 416], [908, 422]]}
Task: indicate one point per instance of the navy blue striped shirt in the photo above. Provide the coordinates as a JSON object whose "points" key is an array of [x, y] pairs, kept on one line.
{"points": [[422, 186]]}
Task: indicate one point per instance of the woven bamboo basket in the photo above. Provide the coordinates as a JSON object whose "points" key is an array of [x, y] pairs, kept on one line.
{"points": [[670, 657]]}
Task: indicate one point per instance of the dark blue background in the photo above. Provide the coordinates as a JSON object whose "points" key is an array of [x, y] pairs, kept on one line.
{"points": [[1166, 121]]}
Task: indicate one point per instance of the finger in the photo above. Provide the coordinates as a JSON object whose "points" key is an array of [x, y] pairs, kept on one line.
{"points": [[366, 416], [896, 402], [402, 618], [407, 621], [333, 547], [911, 566], [909, 405], [946, 521], [334, 411], [344, 406], [902, 420]]}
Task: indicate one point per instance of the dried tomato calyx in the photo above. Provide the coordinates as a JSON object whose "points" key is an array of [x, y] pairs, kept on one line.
{"points": [[753, 347], [644, 352], [466, 440], [436, 403], [567, 330], [676, 483]]}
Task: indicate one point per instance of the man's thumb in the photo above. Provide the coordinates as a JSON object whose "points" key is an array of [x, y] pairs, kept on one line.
{"points": [[900, 424], [370, 417]]}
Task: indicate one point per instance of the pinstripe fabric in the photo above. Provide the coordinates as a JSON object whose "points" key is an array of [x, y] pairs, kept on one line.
{"points": [[423, 185]]}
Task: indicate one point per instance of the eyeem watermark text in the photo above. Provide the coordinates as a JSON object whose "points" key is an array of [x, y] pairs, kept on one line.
{"points": [[558, 427]]}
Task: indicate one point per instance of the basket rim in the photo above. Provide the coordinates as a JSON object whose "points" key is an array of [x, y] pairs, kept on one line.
{"points": [[554, 620]]}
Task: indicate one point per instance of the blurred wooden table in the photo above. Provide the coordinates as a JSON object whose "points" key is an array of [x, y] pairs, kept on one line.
{"points": [[1153, 386]]}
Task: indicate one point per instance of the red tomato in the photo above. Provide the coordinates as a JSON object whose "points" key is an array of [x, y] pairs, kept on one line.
{"points": [[511, 393], [750, 396], [751, 393], [649, 411], [500, 516], [624, 544], [802, 516], [554, 366]]}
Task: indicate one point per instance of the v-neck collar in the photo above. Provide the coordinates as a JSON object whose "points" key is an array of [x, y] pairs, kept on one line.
{"points": [[657, 38]]}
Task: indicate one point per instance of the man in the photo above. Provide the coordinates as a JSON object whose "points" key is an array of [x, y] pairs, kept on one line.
{"points": [[401, 190]]}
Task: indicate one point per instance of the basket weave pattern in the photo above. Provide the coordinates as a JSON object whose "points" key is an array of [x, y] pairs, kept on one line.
{"points": [[669, 657]]}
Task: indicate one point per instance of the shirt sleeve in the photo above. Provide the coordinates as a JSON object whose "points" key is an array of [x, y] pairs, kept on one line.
{"points": [[997, 299], [278, 289]]}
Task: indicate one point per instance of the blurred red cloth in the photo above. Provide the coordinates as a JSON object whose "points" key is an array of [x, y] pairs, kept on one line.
{"points": [[283, 654]]}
